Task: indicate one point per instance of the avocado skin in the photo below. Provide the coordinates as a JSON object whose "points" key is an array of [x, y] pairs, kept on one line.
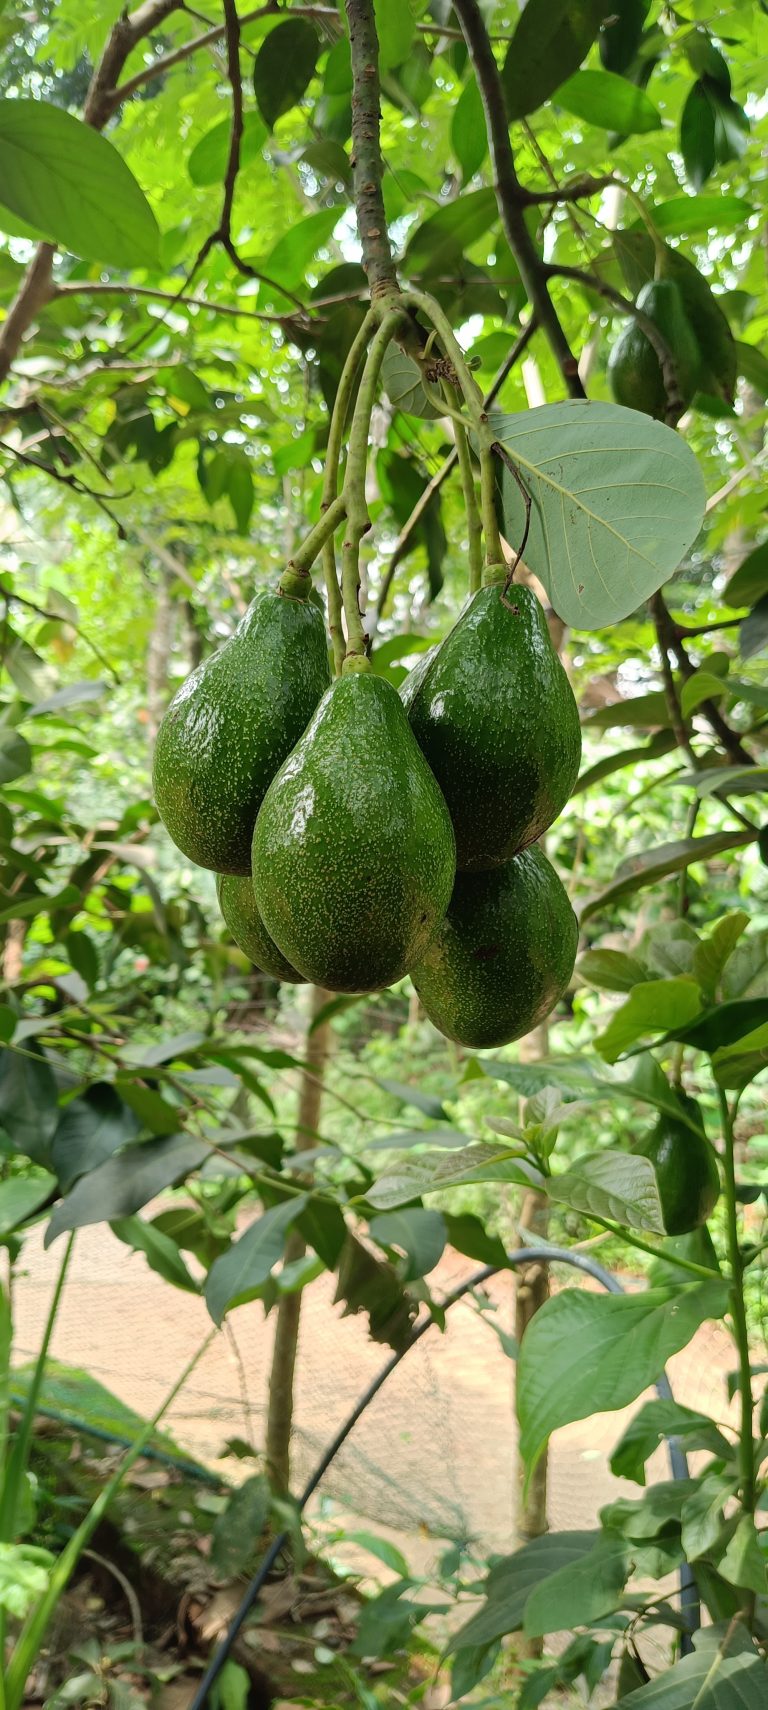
{"points": [[686, 1169], [238, 906], [503, 956], [353, 851], [496, 720], [232, 724], [634, 370]]}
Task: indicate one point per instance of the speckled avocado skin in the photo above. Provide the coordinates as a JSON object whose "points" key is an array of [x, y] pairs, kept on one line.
{"points": [[496, 719], [238, 906], [232, 724], [686, 1169], [353, 852], [503, 956]]}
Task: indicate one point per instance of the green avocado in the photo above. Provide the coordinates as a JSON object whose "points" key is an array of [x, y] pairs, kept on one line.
{"points": [[634, 370], [232, 724], [503, 956], [353, 852], [686, 1169], [238, 906], [496, 719]]}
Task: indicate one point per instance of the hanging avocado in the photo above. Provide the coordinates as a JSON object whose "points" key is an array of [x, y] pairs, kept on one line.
{"points": [[686, 1169], [238, 906], [232, 724], [634, 370], [495, 717], [353, 852], [503, 956]]}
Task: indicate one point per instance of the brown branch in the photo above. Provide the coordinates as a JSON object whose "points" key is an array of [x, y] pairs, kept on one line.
{"points": [[167, 61], [35, 289], [510, 193], [663, 625], [670, 642], [113, 288], [577, 191], [367, 168]]}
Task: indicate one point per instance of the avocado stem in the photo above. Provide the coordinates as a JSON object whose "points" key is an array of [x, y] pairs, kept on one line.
{"points": [[306, 554], [353, 496], [469, 489], [341, 405]]}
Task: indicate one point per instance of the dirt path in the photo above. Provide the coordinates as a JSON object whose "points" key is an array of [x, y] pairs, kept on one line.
{"points": [[434, 1454]]}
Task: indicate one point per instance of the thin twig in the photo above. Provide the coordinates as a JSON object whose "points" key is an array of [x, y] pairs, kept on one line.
{"points": [[56, 617], [71, 481], [112, 288], [130, 1596]]}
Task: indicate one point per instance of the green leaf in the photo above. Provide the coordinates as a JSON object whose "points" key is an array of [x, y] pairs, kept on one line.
{"points": [[240, 491], [653, 1006], [697, 137], [655, 1421], [610, 970], [750, 581], [754, 366], [616, 1185], [237, 1530], [587, 1353], [696, 215], [84, 956], [469, 138], [15, 755], [550, 41], [367, 1283], [154, 1111], [382, 1549], [67, 180], [723, 1025], [702, 686], [714, 952], [401, 380], [648, 709], [161, 1253], [647, 868], [240, 1272], [395, 29], [659, 744], [28, 1104], [126, 1182], [603, 98], [513, 1579], [284, 67], [617, 499], [468, 1235], [452, 229], [702, 1513], [91, 1128], [753, 633], [581, 1592], [744, 1563], [421, 1234], [724, 1672], [476, 1163], [426, 1102], [734, 1066], [207, 163], [298, 246], [20, 1197], [734, 780]]}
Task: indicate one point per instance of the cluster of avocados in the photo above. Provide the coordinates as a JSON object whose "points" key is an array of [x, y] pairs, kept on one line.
{"points": [[359, 834]]}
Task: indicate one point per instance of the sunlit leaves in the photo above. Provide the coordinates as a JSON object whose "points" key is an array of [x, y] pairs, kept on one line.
{"points": [[71, 184]]}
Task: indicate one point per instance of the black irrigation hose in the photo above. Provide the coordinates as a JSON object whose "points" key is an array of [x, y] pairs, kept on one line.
{"points": [[689, 1601]]}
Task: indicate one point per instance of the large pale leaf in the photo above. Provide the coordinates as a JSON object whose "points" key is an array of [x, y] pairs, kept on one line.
{"points": [[616, 1185], [587, 1353], [616, 500], [71, 184]]}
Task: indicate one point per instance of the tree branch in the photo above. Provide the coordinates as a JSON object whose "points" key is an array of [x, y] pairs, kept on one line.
{"points": [[669, 640], [113, 288], [511, 195], [367, 169], [36, 288]]}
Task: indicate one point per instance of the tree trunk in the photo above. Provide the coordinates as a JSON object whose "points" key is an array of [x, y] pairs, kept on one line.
{"points": [[281, 1380]]}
